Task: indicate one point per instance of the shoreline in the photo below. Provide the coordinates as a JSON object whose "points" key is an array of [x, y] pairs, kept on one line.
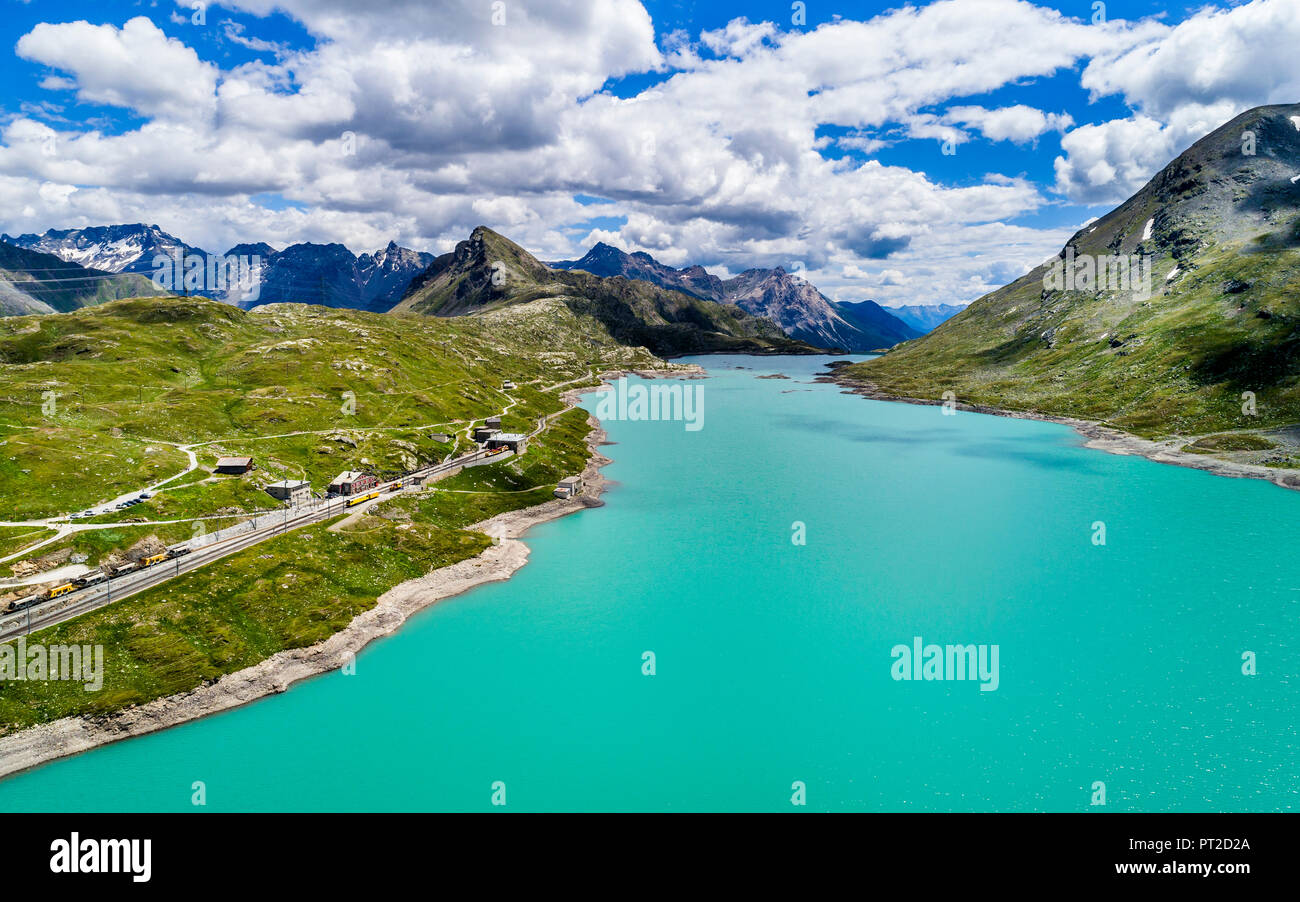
{"points": [[1097, 436], [43, 743]]}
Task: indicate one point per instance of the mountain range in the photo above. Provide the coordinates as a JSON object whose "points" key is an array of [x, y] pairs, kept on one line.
{"points": [[787, 300], [325, 274], [1205, 333], [484, 274], [114, 248], [924, 317], [487, 272], [331, 275]]}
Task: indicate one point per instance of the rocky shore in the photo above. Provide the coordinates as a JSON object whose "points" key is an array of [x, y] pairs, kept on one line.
{"points": [[1099, 437]]}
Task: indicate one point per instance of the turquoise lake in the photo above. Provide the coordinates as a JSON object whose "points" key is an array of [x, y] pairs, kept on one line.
{"points": [[1119, 663]]}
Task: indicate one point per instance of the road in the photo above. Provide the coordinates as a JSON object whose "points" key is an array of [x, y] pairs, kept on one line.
{"points": [[191, 467]]}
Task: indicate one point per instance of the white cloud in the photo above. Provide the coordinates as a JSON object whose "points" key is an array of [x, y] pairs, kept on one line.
{"points": [[863, 143], [418, 122], [1019, 124], [136, 66], [235, 33], [1109, 161], [1243, 55], [58, 83], [739, 38]]}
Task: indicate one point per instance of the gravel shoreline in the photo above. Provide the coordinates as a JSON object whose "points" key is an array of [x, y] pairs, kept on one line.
{"points": [[1098, 437], [71, 735]]}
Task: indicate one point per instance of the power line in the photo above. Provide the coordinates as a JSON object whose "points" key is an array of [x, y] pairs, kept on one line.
{"points": [[14, 281]]}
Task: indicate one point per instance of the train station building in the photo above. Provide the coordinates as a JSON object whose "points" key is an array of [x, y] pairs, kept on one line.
{"points": [[515, 441], [350, 482]]}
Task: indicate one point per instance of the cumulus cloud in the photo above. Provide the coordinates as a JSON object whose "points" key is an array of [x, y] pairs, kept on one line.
{"points": [[135, 66], [1019, 124], [739, 38], [1238, 55]]}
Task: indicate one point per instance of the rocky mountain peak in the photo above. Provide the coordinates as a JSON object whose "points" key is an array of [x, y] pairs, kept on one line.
{"points": [[790, 301], [113, 248]]}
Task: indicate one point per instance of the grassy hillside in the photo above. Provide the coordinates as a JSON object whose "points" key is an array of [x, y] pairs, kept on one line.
{"points": [[1221, 230], [220, 619], [306, 391]]}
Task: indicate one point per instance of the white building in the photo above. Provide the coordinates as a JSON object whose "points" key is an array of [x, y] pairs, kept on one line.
{"points": [[569, 486]]}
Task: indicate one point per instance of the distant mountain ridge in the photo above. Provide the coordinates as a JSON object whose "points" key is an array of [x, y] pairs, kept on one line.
{"points": [[332, 276], [325, 274], [872, 319], [791, 302], [925, 317], [32, 282], [606, 260], [112, 248], [487, 272]]}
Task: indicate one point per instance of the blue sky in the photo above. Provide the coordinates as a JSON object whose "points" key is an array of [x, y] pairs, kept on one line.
{"points": [[911, 154]]}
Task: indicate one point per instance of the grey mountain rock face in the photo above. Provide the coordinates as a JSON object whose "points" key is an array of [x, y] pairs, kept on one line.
{"points": [[331, 275], [113, 248], [794, 304], [327, 274]]}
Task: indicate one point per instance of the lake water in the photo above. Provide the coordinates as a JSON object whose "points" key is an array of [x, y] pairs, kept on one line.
{"points": [[1119, 663]]}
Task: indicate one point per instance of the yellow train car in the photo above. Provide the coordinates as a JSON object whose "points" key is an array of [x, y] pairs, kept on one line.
{"points": [[61, 590], [361, 499], [154, 559]]}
